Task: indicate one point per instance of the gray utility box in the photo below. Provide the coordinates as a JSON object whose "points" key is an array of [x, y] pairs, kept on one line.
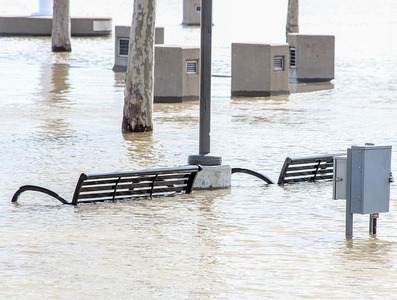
{"points": [[368, 179]]}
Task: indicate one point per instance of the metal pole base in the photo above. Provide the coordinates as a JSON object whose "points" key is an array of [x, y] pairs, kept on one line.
{"points": [[204, 160], [349, 225], [373, 223]]}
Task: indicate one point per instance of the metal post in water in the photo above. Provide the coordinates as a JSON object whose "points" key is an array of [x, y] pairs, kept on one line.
{"points": [[349, 222], [349, 214], [205, 76], [205, 90], [373, 223]]}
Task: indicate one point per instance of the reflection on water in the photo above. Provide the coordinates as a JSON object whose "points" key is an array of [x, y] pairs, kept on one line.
{"points": [[54, 91], [310, 87], [357, 263], [60, 115], [143, 151]]}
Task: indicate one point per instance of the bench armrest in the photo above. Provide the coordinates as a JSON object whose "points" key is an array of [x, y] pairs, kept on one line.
{"points": [[25, 188]]}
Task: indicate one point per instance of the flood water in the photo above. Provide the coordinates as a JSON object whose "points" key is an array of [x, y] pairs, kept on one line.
{"points": [[60, 115]]}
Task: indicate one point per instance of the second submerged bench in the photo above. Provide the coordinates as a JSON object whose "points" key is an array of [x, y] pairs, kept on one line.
{"points": [[128, 185], [310, 168]]}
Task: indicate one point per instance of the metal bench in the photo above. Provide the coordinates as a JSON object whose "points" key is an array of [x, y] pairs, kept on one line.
{"points": [[311, 168], [129, 185]]}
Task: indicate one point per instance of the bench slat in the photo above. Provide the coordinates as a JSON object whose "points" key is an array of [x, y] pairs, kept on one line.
{"points": [[303, 179], [111, 186], [130, 193], [95, 180], [141, 173], [108, 199], [310, 172], [310, 159], [134, 191], [123, 198], [312, 166]]}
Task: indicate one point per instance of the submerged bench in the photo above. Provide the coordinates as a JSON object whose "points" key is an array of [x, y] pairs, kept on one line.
{"points": [[311, 168], [129, 185]]}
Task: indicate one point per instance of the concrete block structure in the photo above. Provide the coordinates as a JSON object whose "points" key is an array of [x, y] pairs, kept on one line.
{"points": [[312, 57], [40, 23], [121, 44], [213, 177], [37, 25], [259, 70], [191, 12], [176, 73]]}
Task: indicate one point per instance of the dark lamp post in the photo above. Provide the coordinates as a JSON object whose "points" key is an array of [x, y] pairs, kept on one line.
{"points": [[203, 157]]}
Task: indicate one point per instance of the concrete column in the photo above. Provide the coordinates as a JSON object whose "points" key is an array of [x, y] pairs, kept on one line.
{"points": [[313, 57], [260, 70], [191, 12]]}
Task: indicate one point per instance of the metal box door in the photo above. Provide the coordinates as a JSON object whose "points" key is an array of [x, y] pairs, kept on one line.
{"points": [[340, 176], [369, 178]]}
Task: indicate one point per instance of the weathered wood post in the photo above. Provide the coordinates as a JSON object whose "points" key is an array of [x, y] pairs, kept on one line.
{"points": [[138, 91], [293, 17], [61, 27]]}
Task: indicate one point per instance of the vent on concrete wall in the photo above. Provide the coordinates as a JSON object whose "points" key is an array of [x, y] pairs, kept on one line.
{"points": [[292, 57], [278, 63], [191, 67], [197, 8], [123, 46]]}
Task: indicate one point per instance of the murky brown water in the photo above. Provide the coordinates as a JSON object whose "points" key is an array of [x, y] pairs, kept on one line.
{"points": [[60, 115]]}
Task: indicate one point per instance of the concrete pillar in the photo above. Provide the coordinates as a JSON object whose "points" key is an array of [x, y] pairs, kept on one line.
{"points": [[312, 57], [176, 73], [121, 40], [213, 177], [259, 70], [191, 12]]}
